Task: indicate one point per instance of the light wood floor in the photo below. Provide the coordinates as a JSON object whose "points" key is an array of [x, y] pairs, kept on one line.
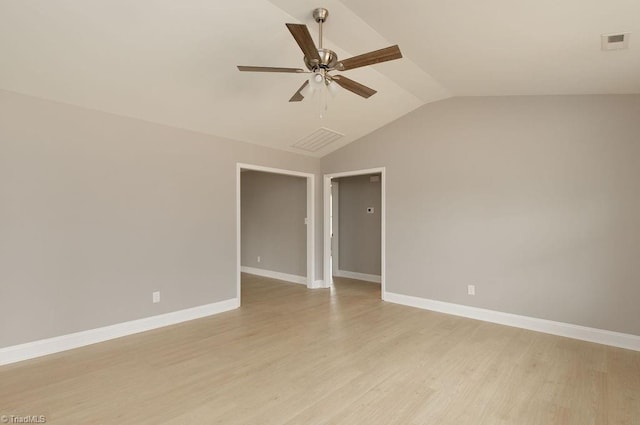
{"points": [[291, 355]]}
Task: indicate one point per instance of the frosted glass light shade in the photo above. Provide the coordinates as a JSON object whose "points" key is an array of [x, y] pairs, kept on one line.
{"points": [[307, 91], [333, 88]]}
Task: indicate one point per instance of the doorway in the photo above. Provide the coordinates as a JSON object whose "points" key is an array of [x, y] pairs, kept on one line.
{"points": [[328, 201], [309, 220]]}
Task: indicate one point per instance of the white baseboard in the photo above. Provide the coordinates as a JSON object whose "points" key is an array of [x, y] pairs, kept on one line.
{"points": [[600, 336], [43, 347], [360, 276], [318, 284], [275, 275]]}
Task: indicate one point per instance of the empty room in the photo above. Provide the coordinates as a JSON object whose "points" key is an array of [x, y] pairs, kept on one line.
{"points": [[291, 212]]}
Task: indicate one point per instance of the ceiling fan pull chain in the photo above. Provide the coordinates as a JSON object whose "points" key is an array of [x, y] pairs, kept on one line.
{"points": [[323, 98], [320, 93]]}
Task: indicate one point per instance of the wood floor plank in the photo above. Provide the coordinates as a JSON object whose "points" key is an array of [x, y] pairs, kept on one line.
{"points": [[293, 356]]}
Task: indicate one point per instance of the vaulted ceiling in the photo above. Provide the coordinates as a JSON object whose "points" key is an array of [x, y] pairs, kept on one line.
{"points": [[174, 62]]}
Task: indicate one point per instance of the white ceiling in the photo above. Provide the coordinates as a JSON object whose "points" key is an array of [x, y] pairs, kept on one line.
{"points": [[174, 62], [507, 47]]}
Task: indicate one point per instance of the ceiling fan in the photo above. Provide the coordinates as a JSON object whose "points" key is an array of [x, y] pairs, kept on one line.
{"points": [[320, 62]]}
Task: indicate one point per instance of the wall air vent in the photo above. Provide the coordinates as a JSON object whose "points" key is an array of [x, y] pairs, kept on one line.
{"points": [[617, 41], [317, 140]]}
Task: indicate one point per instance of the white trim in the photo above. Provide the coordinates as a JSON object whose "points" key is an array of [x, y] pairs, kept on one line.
{"points": [[335, 225], [327, 214], [600, 336], [356, 172], [57, 344], [311, 190], [360, 276], [272, 170], [275, 275], [383, 234], [238, 234], [318, 284], [311, 228]]}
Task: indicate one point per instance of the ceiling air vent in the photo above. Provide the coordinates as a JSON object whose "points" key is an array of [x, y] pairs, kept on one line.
{"points": [[615, 41], [317, 140]]}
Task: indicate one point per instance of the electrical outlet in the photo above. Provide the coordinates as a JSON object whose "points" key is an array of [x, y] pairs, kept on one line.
{"points": [[259, 259], [156, 297], [471, 289]]}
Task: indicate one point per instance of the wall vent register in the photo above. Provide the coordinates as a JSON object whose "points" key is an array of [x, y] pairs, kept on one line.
{"points": [[618, 41]]}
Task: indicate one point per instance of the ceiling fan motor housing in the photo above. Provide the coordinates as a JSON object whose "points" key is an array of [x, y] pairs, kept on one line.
{"points": [[328, 60]]}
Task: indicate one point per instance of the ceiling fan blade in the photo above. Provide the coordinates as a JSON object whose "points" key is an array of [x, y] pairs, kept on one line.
{"points": [[353, 86], [377, 56], [301, 33], [297, 97], [269, 69]]}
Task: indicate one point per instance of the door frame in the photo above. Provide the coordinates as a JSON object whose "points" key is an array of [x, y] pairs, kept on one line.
{"points": [[310, 219], [327, 272], [335, 226]]}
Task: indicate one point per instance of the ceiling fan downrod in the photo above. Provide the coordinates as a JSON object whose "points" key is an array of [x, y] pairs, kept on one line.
{"points": [[320, 15]]}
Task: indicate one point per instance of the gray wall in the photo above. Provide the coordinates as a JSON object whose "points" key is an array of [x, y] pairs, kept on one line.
{"points": [[535, 200], [97, 211], [359, 238], [274, 207]]}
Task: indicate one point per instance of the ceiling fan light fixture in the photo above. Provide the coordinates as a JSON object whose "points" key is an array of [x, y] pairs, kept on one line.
{"points": [[317, 79], [307, 91], [333, 88]]}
